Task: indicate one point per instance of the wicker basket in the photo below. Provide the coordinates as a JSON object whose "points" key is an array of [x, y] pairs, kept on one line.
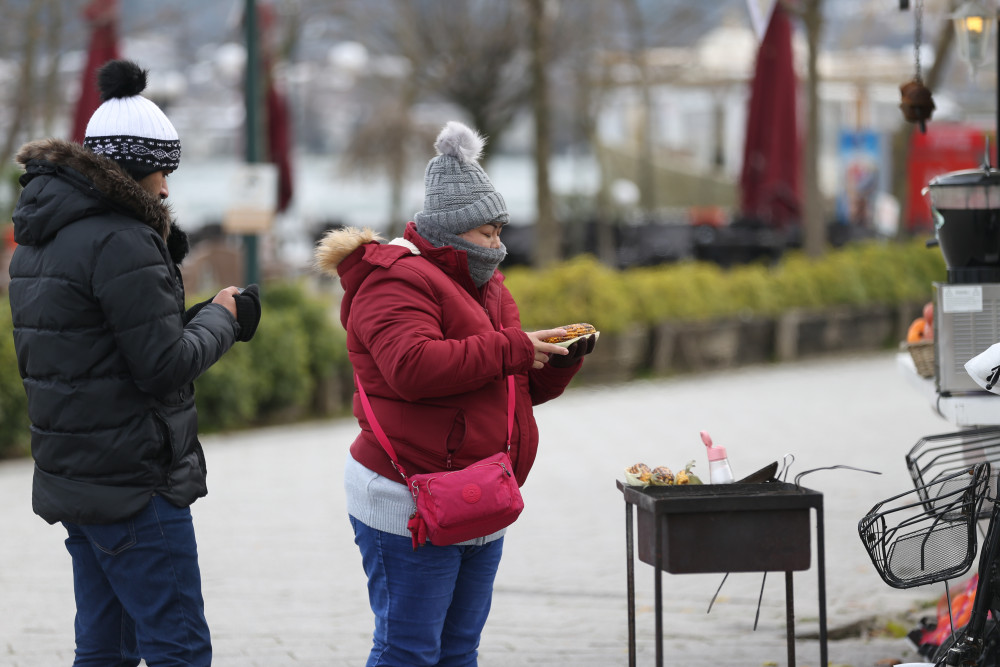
{"points": [[923, 357]]}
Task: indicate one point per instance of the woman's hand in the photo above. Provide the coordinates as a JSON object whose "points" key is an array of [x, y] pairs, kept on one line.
{"points": [[577, 350], [545, 350]]}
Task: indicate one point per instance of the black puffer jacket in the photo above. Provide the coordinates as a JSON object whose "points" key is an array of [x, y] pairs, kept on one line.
{"points": [[107, 357]]}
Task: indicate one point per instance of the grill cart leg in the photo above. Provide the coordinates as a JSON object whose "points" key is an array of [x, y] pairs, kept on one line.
{"points": [[821, 567], [790, 619], [630, 576]]}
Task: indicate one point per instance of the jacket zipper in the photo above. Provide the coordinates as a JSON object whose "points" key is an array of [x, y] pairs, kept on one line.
{"points": [[503, 466]]}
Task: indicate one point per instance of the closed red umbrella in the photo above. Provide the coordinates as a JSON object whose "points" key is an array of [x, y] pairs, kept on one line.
{"points": [[769, 182], [280, 142], [102, 16], [279, 122]]}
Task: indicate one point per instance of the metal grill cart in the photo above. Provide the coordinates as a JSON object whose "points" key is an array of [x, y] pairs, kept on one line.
{"points": [[723, 528]]}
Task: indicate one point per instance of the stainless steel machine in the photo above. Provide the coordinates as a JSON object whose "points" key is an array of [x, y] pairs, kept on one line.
{"points": [[966, 207], [966, 322]]}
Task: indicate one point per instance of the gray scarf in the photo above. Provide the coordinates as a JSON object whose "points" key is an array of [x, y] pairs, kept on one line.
{"points": [[482, 261]]}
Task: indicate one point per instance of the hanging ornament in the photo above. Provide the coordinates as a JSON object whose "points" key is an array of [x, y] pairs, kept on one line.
{"points": [[917, 104]]}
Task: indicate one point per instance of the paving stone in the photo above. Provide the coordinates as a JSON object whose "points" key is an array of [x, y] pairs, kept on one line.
{"points": [[283, 582]]}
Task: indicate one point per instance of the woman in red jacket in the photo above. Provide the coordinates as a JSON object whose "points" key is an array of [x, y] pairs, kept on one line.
{"points": [[432, 334]]}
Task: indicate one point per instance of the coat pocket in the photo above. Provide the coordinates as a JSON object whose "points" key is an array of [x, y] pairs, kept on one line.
{"points": [[430, 432]]}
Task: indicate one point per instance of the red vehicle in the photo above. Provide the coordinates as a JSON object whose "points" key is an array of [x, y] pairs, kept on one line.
{"points": [[945, 147]]}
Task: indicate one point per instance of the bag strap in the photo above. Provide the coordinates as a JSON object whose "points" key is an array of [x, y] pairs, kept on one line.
{"points": [[384, 440], [511, 399], [377, 428]]}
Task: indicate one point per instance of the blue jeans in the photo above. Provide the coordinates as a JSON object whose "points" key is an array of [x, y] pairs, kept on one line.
{"points": [[430, 604], [138, 591]]}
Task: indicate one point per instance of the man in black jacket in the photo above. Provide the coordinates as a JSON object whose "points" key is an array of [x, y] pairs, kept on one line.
{"points": [[108, 356]]}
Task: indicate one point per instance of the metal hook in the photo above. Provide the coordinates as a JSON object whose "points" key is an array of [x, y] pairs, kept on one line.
{"points": [[834, 467], [760, 599], [712, 601], [785, 466]]}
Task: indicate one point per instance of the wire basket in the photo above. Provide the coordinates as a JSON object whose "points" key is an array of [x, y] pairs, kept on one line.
{"points": [[937, 456], [913, 541], [922, 353]]}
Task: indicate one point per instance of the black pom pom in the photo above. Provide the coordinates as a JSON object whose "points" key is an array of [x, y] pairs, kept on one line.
{"points": [[120, 78]]}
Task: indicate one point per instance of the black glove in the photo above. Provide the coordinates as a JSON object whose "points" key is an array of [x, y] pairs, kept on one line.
{"points": [[577, 350], [248, 312]]}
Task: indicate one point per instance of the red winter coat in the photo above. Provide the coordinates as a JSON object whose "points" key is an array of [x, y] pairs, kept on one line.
{"points": [[432, 352]]}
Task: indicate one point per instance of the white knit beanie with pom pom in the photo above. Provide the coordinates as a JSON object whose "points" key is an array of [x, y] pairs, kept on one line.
{"points": [[127, 127]]}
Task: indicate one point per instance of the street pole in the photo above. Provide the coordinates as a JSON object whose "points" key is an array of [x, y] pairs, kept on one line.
{"points": [[252, 120]]}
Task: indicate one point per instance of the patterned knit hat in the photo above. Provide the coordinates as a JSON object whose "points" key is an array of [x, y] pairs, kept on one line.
{"points": [[127, 127], [458, 195]]}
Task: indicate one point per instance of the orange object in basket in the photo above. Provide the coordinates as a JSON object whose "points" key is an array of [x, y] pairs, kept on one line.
{"points": [[915, 333]]}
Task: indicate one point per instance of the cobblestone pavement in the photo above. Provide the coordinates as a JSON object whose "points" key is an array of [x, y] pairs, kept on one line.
{"points": [[283, 581]]}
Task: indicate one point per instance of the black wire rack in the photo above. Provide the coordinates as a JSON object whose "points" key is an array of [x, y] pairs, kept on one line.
{"points": [[938, 456], [927, 535]]}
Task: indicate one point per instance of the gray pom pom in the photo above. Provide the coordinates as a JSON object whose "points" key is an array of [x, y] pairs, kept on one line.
{"points": [[460, 141]]}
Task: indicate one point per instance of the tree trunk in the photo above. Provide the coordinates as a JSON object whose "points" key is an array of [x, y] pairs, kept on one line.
{"points": [[24, 100], [645, 176], [591, 81], [547, 234], [54, 39]]}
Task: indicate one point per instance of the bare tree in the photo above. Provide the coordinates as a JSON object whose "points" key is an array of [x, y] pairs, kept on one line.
{"points": [[586, 40], [51, 90], [590, 92], [645, 176], [389, 140], [473, 54], [22, 102], [547, 237]]}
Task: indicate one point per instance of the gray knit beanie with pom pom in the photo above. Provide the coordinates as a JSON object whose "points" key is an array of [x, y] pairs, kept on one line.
{"points": [[458, 197]]}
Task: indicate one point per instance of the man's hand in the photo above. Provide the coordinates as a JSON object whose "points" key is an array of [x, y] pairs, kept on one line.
{"points": [[227, 299], [248, 311]]}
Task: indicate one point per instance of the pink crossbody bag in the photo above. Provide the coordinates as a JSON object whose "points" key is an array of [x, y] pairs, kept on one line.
{"points": [[458, 505]]}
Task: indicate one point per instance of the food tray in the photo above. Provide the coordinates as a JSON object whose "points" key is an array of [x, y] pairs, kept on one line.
{"points": [[938, 456], [927, 535]]}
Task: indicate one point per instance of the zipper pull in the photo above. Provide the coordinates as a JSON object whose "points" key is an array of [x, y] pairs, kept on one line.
{"points": [[504, 466], [447, 462]]}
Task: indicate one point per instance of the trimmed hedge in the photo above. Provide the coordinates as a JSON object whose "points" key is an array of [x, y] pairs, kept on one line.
{"points": [[584, 290], [14, 435], [274, 377], [299, 348]]}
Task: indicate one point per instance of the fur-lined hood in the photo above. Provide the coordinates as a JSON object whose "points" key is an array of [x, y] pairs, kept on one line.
{"points": [[338, 244], [351, 254], [87, 184]]}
